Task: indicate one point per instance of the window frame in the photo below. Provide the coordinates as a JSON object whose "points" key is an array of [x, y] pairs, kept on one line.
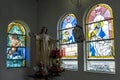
{"points": [[24, 36], [59, 29], [98, 58]]}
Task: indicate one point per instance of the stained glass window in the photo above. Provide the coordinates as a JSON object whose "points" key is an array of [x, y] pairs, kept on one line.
{"points": [[16, 45], [99, 42], [67, 44]]}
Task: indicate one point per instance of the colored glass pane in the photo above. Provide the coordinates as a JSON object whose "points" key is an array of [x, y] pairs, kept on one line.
{"points": [[16, 28], [66, 33], [100, 53], [70, 64], [100, 30], [20, 38], [67, 36], [69, 51], [68, 21], [16, 46], [15, 63], [67, 44], [101, 49], [18, 54], [99, 12], [101, 66]]}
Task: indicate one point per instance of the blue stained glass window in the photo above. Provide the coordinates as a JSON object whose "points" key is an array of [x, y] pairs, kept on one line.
{"points": [[16, 45], [67, 25], [69, 20], [67, 44]]}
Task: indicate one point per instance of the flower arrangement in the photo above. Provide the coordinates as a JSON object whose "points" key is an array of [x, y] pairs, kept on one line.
{"points": [[55, 53], [55, 56], [49, 71]]}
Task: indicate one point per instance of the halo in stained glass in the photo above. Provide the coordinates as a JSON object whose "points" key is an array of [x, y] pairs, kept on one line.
{"points": [[100, 30], [16, 27], [67, 36]]}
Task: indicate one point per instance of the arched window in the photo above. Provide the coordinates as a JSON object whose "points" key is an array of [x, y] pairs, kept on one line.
{"points": [[16, 45], [67, 44], [99, 43]]}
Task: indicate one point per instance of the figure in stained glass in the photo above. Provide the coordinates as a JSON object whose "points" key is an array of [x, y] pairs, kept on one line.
{"points": [[100, 48], [100, 39], [67, 44], [16, 51], [67, 27], [99, 31]]}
